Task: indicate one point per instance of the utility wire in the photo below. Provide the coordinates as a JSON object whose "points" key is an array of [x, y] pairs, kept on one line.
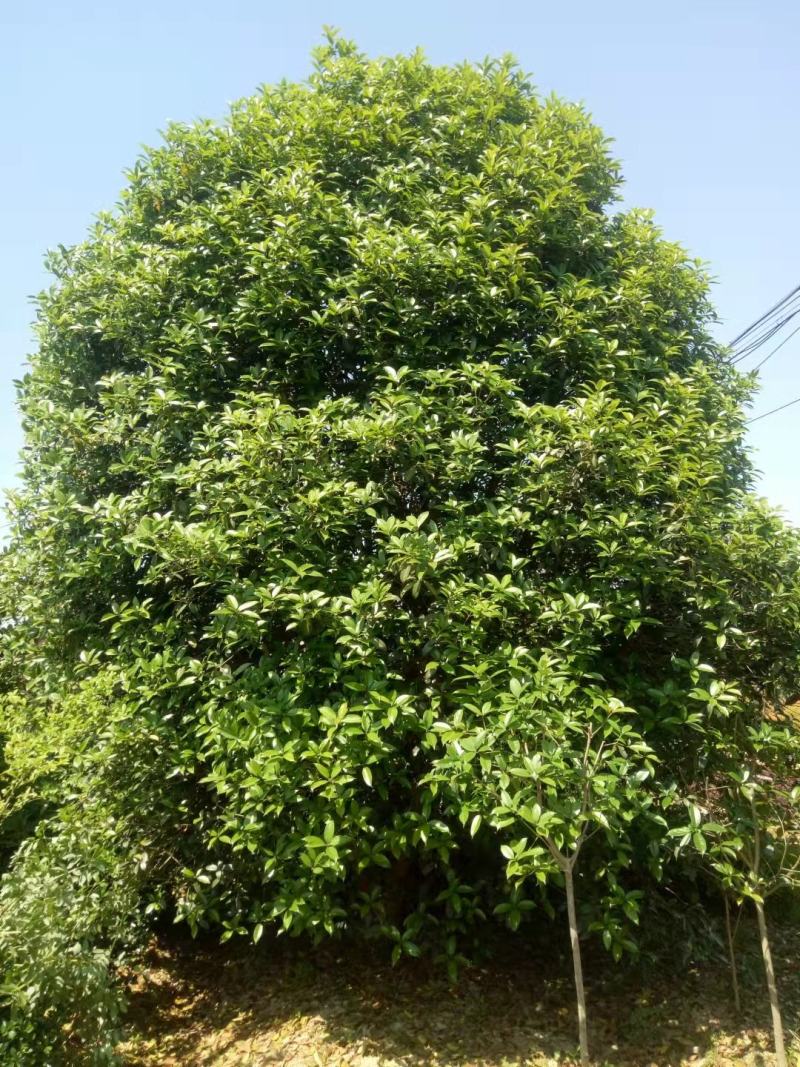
{"points": [[766, 315], [790, 404], [764, 326], [763, 330], [767, 332], [761, 340], [776, 348]]}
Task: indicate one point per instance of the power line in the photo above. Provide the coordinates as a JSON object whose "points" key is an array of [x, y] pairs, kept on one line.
{"points": [[766, 333], [763, 330], [766, 314], [776, 348], [764, 323], [764, 327], [790, 404]]}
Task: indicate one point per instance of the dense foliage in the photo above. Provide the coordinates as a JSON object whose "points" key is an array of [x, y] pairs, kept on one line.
{"points": [[384, 556]]}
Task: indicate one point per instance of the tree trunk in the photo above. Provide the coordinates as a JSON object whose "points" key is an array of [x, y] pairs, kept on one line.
{"points": [[580, 995], [777, 1024], [737, 1003]]}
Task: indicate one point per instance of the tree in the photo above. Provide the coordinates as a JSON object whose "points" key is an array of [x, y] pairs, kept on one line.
{"points": [[350, 399], [750, 836], [558, 763]]}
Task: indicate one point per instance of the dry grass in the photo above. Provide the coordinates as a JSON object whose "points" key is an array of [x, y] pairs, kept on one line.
{"points": [[287, 1006]]}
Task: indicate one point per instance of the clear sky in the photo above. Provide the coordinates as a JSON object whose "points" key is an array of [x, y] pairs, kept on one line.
{"points": [[701, 97]]}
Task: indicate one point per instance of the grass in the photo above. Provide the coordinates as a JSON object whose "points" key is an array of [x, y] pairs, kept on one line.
{"points": [[286, 1005]]}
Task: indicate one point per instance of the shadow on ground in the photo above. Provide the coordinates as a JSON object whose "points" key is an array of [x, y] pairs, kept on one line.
{"points": [[289, 1005]]}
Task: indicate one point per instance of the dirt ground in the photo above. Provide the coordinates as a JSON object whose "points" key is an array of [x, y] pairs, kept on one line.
{"points": [[289, 1005]]}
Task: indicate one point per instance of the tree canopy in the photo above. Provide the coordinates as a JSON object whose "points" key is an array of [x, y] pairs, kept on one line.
{"points": [[386, 548]]}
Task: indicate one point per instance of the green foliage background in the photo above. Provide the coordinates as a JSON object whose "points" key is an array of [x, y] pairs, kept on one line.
{"points": [[376, 472]]}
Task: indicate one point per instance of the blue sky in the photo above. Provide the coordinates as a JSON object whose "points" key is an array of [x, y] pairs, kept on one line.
{"points": [[701, 98]]}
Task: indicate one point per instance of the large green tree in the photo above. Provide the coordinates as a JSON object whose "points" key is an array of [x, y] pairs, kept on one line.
{"points": [[384, 495]]}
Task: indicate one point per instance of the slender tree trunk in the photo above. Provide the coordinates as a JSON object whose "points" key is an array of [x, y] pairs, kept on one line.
{"points": [[580, 995], [737, 1002], [777, 1024]]}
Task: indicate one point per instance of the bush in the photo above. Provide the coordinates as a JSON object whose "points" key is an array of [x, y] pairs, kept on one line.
{"points": [[66, 916], [395, 492]]}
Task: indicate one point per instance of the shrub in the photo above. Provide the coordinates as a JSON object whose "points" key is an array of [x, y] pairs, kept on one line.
{"points": [[65, 919], [396, 492]]}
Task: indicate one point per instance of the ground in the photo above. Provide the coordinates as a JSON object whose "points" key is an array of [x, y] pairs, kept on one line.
{"points": [[288, 1005]]}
